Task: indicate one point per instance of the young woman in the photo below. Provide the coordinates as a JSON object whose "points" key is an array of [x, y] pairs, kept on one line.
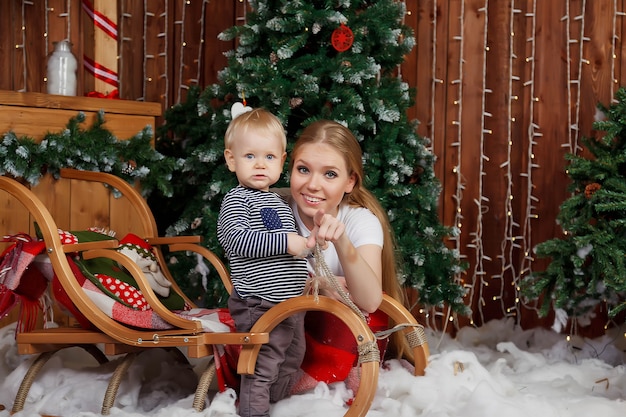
{"points": [[332, 205]]}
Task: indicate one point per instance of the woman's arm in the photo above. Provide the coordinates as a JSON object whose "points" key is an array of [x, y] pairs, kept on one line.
{"points": [[362, 266]]}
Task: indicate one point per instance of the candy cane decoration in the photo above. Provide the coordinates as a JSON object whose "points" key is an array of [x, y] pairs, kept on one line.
{"points": [[103, 64]]}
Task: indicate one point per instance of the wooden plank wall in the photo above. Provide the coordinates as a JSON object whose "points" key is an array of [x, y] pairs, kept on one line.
{"points": [[504, 89]]}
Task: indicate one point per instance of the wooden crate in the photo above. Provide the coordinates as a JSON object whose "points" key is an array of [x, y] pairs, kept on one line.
{"points": [[73, 205]]}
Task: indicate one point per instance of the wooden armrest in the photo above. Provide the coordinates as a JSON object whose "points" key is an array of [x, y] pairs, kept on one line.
{"points": [[85, 246], [169, 240]]}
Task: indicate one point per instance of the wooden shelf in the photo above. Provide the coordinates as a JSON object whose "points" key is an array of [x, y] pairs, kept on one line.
{"points": [[35, 114]]}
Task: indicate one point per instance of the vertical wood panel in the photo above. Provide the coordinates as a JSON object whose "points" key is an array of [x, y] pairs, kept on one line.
{"points": [[55, 195], [7, 45], [408, 69], [473, 141], [550, 93], [620, 46], [191, 32], [18, 81], [496, 148], [451, 119], [598, 58], [35, 41], [89, 206], [132, 46], [123, 218], [157, 67], [438, 97], [14, 219], [219, 16]]}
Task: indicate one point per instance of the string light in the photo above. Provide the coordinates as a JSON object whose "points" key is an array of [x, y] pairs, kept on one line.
{"points": [[481, 202], [163, 54], [120, 62], [22, 46], [46, 24], [201, 41], [67, 15], [181, 63], [147, 15], [46, 34], [574, 121], [403, 21], [458, 195], [243, 18], [435, 81], [525, 240], [507, 245], [614, 39]]}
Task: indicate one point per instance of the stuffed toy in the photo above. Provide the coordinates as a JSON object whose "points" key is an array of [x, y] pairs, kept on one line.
{"points": [[140, 252]]}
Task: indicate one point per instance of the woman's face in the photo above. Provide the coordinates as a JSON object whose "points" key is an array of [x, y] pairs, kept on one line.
{"points": [[319, 180]]}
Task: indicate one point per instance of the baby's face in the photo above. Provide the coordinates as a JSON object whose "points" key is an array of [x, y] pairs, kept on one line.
{"points": [[256, 159]]}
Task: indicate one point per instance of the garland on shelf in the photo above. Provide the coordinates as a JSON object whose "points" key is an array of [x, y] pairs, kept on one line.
{"points": [[91, 149]]}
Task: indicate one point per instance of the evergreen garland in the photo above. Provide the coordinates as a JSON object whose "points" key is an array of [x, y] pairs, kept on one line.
{"points": [[588, 265], [92, 149]]}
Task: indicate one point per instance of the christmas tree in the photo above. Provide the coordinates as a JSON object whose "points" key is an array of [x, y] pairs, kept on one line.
{"points": [[323, 59], [587, 266]]}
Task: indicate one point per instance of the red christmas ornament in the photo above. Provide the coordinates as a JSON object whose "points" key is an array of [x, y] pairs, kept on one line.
{"points": [[342, 38]]}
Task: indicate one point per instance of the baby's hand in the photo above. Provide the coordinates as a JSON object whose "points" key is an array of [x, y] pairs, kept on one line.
{"points": [[297, 246]]}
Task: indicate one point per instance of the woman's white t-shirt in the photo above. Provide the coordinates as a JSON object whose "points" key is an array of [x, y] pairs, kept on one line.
{"points": [[362, 228]]}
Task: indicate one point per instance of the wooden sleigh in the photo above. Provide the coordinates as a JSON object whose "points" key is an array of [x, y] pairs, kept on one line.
{"points": [[185, 337]]}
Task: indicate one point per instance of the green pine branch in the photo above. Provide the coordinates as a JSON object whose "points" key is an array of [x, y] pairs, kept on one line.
{"points": [[92, 149], [587, 266]]}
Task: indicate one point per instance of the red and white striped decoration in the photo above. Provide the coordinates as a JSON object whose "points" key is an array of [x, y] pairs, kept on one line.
{"points": [[100, 20], [103, 64], [100, 72]]}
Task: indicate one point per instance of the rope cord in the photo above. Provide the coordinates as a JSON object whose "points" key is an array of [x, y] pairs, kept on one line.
{"points": [[415, 338], [368, 352], [322, 270]]}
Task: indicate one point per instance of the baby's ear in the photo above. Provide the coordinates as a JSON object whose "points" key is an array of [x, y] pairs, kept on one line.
{"points": [[230, 159]]}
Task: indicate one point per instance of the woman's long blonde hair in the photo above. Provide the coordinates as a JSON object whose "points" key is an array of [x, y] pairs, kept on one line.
{"points": [[342, 140]]}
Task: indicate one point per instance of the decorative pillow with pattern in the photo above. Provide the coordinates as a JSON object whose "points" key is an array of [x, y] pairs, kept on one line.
{"points": [[107, 275]]}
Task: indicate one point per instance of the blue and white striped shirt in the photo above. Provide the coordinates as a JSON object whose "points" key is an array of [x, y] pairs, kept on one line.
{"points": [[252, 228]]}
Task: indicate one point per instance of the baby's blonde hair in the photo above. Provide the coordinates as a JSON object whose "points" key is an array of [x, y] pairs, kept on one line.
{"points": [[259, 120]]}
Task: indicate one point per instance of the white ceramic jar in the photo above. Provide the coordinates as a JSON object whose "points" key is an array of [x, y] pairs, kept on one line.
{"points": [[62, 67]]}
